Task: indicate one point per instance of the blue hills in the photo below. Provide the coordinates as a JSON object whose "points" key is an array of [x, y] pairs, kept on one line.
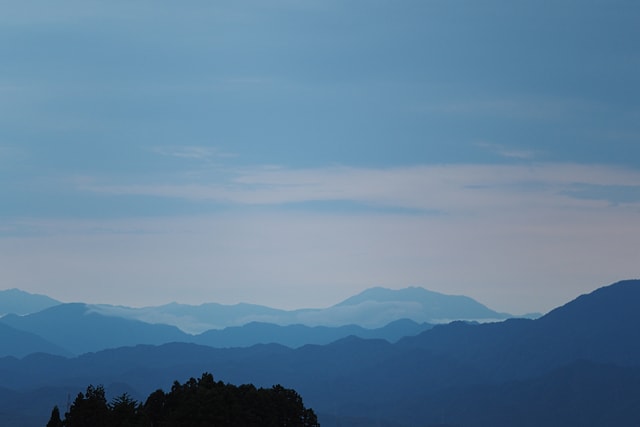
{"points": [[19, 343], [372, 308], [299, 335], [77, 328], [435, 305], [578, 365]]}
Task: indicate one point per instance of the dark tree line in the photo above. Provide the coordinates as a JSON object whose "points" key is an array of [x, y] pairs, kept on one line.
{"points": [[196, 403]]}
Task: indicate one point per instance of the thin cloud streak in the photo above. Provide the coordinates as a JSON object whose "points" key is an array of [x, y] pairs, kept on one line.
{"points": [[541, 108], [508, 152], [192, 152], [447, 188]]}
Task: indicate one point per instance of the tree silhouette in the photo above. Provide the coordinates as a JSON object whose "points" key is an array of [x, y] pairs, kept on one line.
{"points": [[55, 420], [124, 411], [89, 409], [196, 403]]}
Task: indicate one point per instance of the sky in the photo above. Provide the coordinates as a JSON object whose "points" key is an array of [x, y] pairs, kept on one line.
{"points": [[293, 153]]}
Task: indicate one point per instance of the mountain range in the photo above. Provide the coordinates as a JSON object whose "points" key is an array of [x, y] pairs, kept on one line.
{"points": [[578, 365], [75, 328], [372, 308]]}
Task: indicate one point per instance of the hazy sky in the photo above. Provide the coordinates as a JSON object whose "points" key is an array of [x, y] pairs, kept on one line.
{"points": [[294, 152]]}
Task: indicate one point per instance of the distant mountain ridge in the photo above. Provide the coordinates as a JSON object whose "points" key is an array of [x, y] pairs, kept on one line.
{"points": [[15, 301], [436, 305], [19, 343], [295, 336], [372, 308], [76, 328]]}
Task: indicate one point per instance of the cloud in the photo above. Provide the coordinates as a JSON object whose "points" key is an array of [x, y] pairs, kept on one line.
{"points": [[193, 152], [508, 152], [528, 107], [456, 189], [614, 194]]}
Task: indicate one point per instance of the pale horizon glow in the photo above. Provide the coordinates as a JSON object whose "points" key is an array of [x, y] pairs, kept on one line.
{"points": [[511, 225]]}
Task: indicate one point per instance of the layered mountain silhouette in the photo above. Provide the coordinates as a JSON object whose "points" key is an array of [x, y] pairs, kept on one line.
{"points": [[298, 335], [77, 328], [373, 308], [579, 365], [19, 343]]}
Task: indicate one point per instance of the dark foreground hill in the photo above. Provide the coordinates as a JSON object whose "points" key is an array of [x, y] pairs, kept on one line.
{"points": [[577, 366]]}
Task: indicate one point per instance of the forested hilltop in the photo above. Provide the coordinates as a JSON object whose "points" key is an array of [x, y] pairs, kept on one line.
{"points": [[197, 402]]}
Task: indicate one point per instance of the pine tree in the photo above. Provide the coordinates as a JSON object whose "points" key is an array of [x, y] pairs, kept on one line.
{"points": [[55, 420]]}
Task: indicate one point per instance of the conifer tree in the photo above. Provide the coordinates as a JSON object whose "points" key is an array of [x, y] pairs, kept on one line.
{"points": [[55, 420]]}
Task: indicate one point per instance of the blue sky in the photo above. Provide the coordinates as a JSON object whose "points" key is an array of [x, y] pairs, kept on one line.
{"points": [[293, 153]]}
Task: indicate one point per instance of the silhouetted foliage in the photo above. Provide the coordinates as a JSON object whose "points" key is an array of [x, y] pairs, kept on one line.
{"points": [[197, 402], [89, 409], [125, 412], [55, 420]]}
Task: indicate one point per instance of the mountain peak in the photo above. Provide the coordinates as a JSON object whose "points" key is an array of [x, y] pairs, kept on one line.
{"points": [[17, 301], [423, 305], [379, 294]]}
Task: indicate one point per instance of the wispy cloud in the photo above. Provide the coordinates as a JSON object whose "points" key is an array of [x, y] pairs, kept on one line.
{"points": [[195, 152], [542, 108], [506, 151], [448, 188], [614, 194]]}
